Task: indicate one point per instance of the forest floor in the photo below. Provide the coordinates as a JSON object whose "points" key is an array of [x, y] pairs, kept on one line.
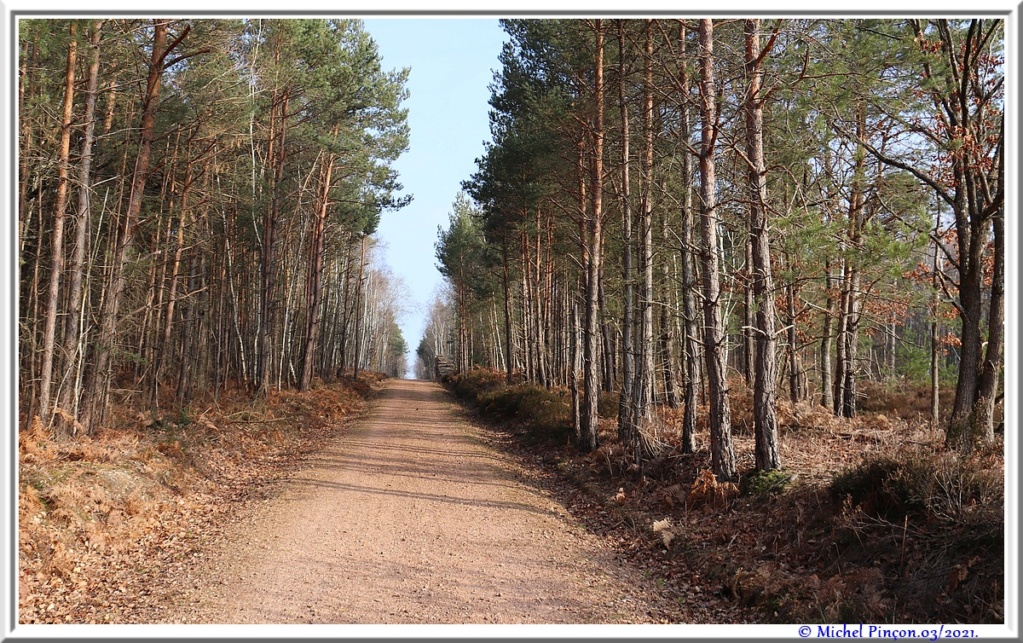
{"points": [[319, 507], [110, 521], [409, 514], [870, 520]]}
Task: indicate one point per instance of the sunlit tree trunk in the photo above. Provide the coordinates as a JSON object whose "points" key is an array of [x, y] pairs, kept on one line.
{"points": [[626, 420], [722, 454], [827, 336], [507, 311], [594, 238], [314, 276], [765, 426], [642, 389], [57, 238], [96, 391], [359, 318], [73, 348]]}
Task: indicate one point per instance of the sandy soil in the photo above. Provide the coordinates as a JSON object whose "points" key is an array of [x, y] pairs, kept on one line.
{"points": [[409, 517]]}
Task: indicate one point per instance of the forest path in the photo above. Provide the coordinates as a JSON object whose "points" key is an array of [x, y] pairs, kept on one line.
{"points": [[410, 517]]}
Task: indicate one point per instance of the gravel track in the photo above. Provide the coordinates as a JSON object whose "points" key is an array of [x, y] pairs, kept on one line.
{"points": [[410, 517]]}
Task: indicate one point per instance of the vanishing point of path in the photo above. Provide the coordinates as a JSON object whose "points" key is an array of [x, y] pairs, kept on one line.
{"points": [[409, 517]]}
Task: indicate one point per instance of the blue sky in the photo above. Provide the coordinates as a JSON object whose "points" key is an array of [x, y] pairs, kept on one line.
{"points": [[452, 63]]}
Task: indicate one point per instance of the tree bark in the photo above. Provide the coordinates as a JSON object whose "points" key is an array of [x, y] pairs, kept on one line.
{"points": [[667, 336], [852, 341], [276, 156], [982, 430], [748, 308], [722, 454], [642, 389], [840, 342], [849, 306], [95, 394], [314, 281], [57, 252], [507, 312], [827, 335], [795, 370], [574, 381], [935, 348], [25, 74], [625, 417], [591, 336], [72, 347], [767, 453], [691, 339], [359, 322]]}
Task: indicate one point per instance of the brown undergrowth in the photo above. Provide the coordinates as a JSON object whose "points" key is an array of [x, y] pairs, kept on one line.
{"points": [[102, 516], [870, 520]]}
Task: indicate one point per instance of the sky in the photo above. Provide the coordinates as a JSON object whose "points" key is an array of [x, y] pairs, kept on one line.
{"points": [[452, 63]]}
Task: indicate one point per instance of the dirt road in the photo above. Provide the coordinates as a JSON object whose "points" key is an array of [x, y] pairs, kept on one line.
{"points": [[409, 517]]}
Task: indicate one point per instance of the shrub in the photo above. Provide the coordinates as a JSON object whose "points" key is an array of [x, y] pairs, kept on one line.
{"points": [[470, 386], [772, 481], [944, 486], [881, 485], [543, 413], [607, 405], [934, 524]]}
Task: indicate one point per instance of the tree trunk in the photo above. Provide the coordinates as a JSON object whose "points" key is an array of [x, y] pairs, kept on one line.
{"points": [[190, 334], [625, 418], [765, 425], [852, 340], [507, 313], [72, 347], [574, 381], [463, 334], [851, 297], [966, 427], [538, 294], [935, 348], [975, 425], [359, 321], [315, 277], [527, 325], [722, 454], [827, 333], [591, 336], [642, 389], [96, 391], [690, 342], [57, 253], [667, 336], [277, 156], [841, 344], [795, 371], [608, 342], [235, 302], [26, 77], [748, 306]]}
